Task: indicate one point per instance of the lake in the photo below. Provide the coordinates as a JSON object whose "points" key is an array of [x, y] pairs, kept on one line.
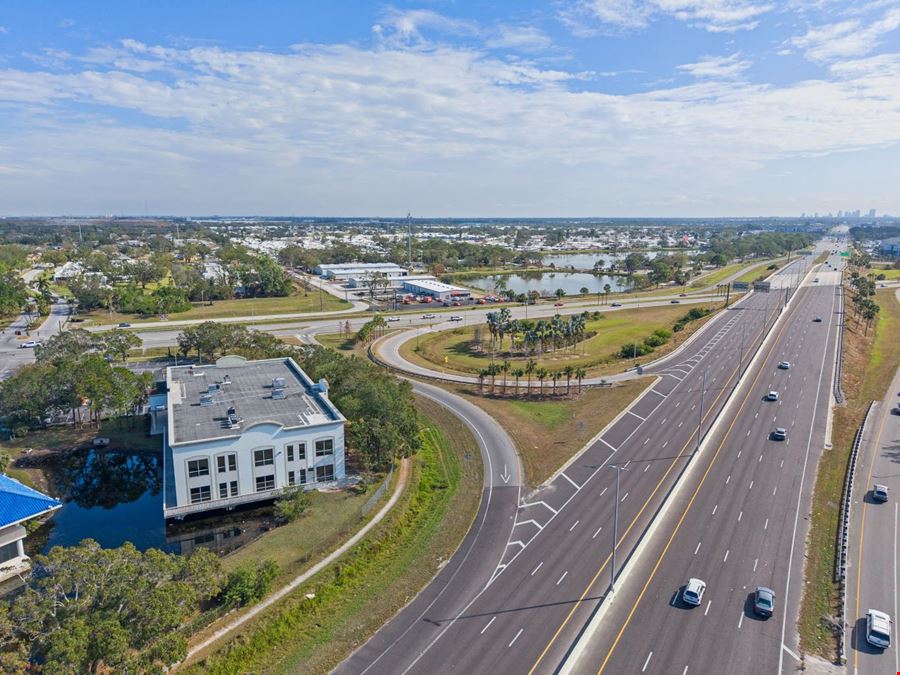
{"points": [[585, 261], [547, 282], [116, 496]]}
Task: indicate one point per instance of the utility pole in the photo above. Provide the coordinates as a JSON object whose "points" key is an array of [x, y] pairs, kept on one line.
{"points": [[409, 239], [700, 418], [612, 570], [727, 293]]}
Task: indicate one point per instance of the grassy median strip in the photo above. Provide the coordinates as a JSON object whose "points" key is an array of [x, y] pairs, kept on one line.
{"points": [[869, 365], [361, 591]]}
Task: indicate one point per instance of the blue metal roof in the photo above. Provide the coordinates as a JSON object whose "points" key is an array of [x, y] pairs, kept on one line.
{"points": [[19, 502]]}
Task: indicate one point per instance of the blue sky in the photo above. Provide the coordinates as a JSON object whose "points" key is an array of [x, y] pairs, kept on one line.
{"points": [[443, 108]]}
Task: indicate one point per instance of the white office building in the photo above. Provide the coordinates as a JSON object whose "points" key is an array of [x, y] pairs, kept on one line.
{"points": [[346, 271], [242, 431]]}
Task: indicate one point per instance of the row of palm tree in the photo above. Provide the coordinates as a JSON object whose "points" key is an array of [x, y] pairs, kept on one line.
{"points": [[862, 301], [530, 369], [535, 337]]}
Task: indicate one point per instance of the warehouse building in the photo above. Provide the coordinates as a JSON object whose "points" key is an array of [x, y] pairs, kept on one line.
{"points": [[436, 289], [242, 431], [346, 271]]}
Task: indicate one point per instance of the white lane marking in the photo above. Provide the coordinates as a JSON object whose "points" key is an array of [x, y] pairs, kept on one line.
{"points": [[756, 415], [541, 503], [665, 444], [766, 525], [540, 564], [529, 522], [513, 543], [774, 490], [728, 480], [715, 508], [693, 406], [613, 448], [760, 459], [649, 656], [575, 485], [741, 620], [642, 419], [698, 547], [597, 532], [574, 525], [647, 441], [603, 491], [755, 563], [684, 672], [751, 485], [674, 598], [705, 612], [725, 559], [562, 577], [785, 647], [739, 454], [515, 638], [488, 625], [645, 468], [748, 432], [782, 464], [625, 497], [740, 515], [664, 420], [679, 424]]}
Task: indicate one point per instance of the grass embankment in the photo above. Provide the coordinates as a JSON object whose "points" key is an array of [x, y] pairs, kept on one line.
{"points": [[598, 354], [548, 433], [297, 302], [869, 364], [762, 271], [359, 593], [889, 274], [754, 268]]}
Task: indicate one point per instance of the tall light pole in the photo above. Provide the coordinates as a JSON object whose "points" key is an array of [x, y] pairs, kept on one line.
{"points": [[700, 417], [619, 468]]}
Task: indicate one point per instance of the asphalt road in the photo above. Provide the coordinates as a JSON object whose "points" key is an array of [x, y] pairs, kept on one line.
{"points": [[555, 563], [739, 522], [872, 572], [12, 356]]}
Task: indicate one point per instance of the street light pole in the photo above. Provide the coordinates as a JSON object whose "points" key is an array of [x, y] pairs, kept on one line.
{"points": [[612, 571], [700, 418]]}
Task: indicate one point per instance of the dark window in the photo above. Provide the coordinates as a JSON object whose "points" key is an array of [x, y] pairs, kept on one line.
{"points": [[301, 451], [223, 490], [198, 467], [226, 463], [290, 478], [325, 473], [8, 552], [324, 448], [200, 494], [234, 488], [264, 483], [263, 457], [302, 476], [290, 453]]}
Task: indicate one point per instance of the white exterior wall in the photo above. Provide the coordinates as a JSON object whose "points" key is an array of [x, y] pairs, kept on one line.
{"points": [[259, 436]]}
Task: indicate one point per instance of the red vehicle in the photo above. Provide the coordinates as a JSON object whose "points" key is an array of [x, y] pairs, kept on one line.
{"points": [[557, 304], [481, 301], [455, 303]]}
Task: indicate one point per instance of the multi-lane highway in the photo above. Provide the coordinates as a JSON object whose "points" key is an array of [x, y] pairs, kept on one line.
{"points": [[554, 567], [872, 573], [738, 523]]}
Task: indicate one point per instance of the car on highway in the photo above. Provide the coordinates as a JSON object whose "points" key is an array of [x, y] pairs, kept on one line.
{"points": [[878, 628], [785, 365], [674, 302], [772, 396], [29, 344], [124, 324], [682, 295], [455, 318], [693, 591], [779, 434], [764, 601], [896, 410], [616, 304], [557, 304], [818, 319], [880, 493], [391, 319], [816, 280], [429, 316]]}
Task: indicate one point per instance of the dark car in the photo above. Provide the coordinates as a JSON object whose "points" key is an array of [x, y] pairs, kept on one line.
{"points": [[674, 302], [124, 324], [818, 319], [764, 601], [616, 304]]}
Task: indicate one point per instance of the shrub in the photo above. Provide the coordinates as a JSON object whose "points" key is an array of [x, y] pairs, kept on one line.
{"points": [[633, 350], [654, 341], [291, 505], [247, 584]]}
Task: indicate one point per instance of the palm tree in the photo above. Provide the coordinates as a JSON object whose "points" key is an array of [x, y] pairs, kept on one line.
{"points": [[607, 289], [517, 373], [584, 291], [542, 374], [483, 373], [504, 368], [568, 371], [554, 376], [530, 367], [580, 374]]}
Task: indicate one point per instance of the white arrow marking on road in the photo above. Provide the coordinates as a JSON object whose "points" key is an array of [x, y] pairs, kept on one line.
{"points": [[505, 475]]}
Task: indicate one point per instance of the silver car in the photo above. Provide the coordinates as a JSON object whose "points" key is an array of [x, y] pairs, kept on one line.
{"points": [[693, 591], [764, 601]]}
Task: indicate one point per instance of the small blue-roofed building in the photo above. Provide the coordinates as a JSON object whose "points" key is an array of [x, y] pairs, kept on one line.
{"points": [[18, 503]]}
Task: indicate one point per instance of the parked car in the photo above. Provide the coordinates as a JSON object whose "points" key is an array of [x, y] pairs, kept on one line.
{"points": [[693, 591], [29, 344], [879, 628], [391, 319], [785, 365], [764, 601], [772, 396], [880, 493], [429, 316], [779, 434], [455, 318]]}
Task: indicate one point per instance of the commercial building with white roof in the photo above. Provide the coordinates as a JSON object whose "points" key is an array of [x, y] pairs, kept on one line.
{"points": [[345, 271], [436, 289]]}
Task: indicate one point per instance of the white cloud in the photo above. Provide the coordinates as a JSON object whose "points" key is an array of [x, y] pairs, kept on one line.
{"points": [[848, 38], [721, 67], [717, 16], [447, 130], [523, 38], [3, 30], [407, 26]]}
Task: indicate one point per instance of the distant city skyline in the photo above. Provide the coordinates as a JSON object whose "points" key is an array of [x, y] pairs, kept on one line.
{"points": [[573, 108]]}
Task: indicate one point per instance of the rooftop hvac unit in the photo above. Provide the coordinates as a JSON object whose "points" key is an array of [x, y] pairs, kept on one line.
{"points": [[226, 379], [206, 400], [279, 394], [213, 388], [278, 383]]}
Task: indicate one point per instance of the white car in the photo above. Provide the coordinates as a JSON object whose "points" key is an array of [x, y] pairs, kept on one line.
{"points": [[429, 316], [391, 319], [30, 344], [455, 318], [879, 628], [880, 493], [785, 365], [772, 396], [693, 591]]}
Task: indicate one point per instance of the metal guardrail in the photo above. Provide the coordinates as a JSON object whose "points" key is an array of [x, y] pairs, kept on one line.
{"points": [[838, 392], [843, 542]]}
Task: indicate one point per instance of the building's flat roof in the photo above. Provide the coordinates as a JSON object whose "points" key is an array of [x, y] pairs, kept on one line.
{"points": [[432, 285], [336, 267], [250, 393]]}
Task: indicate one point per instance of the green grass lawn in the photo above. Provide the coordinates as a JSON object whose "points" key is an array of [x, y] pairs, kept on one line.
{"points": [[889, 274], [598, 354], [762, 271], [249, 307]]}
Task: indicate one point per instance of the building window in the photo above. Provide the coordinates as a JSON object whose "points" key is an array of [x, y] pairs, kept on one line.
{"points": [[200, 494], [325, 473], [291, 478], [324, 448], [263, 457], [264, 483], [301, 451], [234, 488], [302, 476], [290, 453], [8, 552], [223, 490], [226, 463], [198, 467]]}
